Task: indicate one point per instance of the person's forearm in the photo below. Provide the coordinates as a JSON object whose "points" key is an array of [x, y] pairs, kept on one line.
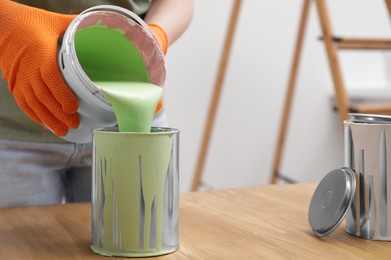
{"points": [[173, 16]]}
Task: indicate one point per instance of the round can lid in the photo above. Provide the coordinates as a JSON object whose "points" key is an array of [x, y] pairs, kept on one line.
{"points": [[331, 201]]}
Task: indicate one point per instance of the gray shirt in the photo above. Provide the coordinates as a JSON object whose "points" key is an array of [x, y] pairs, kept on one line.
{"points": [[14, 124], [76, 6]]}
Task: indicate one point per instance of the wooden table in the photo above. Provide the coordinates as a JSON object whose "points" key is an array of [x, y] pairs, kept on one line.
{"points": [[267, 222]]}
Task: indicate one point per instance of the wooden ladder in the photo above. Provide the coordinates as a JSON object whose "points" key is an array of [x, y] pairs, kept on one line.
{"points": [[333, 44], [218, 86]]}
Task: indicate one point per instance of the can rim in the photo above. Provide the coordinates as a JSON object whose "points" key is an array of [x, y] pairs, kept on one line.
{"points": [[370, 118], [154, 131]]}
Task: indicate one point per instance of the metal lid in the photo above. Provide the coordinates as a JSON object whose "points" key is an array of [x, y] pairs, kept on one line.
{"points": [[331, 201], [370, 118]]}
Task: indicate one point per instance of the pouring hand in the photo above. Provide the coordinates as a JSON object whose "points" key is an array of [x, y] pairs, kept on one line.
{"points": [[160, 36], [28, 58]]}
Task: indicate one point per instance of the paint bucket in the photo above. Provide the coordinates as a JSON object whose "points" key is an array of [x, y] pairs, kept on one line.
{"points": [[108, 60], [358, 192], [135, 193]]}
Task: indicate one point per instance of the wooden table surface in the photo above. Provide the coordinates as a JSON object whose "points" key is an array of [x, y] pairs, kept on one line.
{"points": [[268, 222]]}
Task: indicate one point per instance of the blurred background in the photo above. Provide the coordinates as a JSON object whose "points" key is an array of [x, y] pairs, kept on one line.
{"points": [[243, 141]]}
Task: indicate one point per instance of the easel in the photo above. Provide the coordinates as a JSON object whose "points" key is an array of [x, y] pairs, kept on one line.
{"points": [[332, 44]]}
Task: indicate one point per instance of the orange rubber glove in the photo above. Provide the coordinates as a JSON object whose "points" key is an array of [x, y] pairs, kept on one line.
{"points": [[28, 58], [161, 37]]}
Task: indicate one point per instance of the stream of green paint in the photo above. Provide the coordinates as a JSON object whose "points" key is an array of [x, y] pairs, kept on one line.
{"points": [[130, 169], [134, 103]]}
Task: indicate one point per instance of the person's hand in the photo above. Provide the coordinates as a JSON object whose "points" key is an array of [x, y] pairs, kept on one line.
{"points": [[160, 36], [28, 58]]}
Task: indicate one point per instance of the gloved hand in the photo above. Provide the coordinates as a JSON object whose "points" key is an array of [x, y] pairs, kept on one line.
{"points": [[28, 58], [161, 37]]}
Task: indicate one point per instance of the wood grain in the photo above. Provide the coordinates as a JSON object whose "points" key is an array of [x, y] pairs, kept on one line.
{"points": [[267, 222]]}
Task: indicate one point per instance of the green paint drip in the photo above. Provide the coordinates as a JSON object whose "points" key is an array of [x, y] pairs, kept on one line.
{"points": [[121, 158]]}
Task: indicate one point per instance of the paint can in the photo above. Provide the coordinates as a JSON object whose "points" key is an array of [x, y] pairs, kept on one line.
{"points": [[368, 153], [135, 193], [94, 109], [359, 191]]}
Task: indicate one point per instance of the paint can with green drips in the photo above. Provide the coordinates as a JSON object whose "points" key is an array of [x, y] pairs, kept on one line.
{"points": [[105, 44], [135, 192]]}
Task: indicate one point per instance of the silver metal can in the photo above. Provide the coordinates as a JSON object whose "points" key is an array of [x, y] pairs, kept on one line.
{"points": [[94, 109], [368, 154], [135, 195]]}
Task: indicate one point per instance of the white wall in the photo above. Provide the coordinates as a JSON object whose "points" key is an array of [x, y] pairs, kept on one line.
{"points": [[244, 137]]}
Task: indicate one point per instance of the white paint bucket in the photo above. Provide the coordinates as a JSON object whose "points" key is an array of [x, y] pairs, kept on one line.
{"points": [[94, 110]]}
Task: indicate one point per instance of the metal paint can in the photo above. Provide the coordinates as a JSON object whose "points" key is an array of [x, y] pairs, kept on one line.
{"points": [[359, 192], [135, 193], [94, 109], [368, 153]]}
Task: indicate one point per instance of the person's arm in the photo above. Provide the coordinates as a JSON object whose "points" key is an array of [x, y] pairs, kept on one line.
{"points": [[173, 16], [168, 19]]}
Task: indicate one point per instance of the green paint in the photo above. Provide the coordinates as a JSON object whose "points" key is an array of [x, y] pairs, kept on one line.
{"points": [[130, 166], [130, 169], [134, 103], [107, 55], [115, 65]]}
